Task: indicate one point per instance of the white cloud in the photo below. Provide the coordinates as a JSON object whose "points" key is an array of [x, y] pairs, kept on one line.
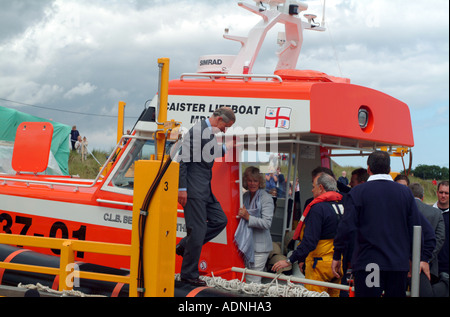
{"points": [[115, 94], [82, 89], [34, 93]]}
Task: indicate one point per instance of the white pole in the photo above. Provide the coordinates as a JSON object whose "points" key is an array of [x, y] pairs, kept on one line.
{"points": [[94, 156], [240, 181], [415, 269], [292, 279], [323, 14], [286, 226]]}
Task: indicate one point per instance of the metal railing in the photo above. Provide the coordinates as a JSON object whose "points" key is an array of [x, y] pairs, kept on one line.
{"points": [[66, 270], [69, 182], [294, 279], [245, 77]]}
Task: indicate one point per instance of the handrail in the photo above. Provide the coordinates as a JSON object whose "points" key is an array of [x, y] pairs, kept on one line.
{"points": [[214, 76], [114, 202], [94, 182], [6, 179], [67, 261], [294, 279]]}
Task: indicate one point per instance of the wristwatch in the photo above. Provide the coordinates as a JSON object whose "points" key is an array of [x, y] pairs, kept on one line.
{"points": [[288, 261]]}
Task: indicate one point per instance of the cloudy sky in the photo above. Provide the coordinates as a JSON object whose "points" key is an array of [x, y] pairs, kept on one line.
{"points": [[73, 60]]}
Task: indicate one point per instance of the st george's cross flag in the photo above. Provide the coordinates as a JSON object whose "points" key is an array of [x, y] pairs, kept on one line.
{"points": [[278, 117]]}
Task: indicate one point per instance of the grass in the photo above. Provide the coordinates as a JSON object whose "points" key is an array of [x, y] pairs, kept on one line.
{"points": [[88, 169]]}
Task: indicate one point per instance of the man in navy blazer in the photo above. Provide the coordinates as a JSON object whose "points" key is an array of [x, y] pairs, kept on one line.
{"points": [[383, 214], [203, 214]]}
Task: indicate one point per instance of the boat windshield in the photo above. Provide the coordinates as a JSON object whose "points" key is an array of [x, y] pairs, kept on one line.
{"points": [[140, 150]]}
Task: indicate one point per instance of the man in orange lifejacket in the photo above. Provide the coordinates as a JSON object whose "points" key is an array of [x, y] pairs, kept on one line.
{"points": [[316, 231]]}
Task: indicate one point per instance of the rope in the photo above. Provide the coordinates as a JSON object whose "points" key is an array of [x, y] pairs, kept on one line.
{"points": [[41, 288], [272, 289]]}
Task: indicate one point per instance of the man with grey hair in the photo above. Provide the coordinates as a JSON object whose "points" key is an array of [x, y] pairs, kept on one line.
{"points": [[316, 231], [328, 182], [203, 214]]}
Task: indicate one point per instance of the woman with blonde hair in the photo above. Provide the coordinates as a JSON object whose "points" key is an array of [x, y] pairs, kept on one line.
{"points": [[253, 233]]}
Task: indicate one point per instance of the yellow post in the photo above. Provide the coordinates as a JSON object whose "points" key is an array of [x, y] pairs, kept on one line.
{"points": [[158, 249], [156, 254], [163, 100], [120, 120], [66, 267], [164, 90]]}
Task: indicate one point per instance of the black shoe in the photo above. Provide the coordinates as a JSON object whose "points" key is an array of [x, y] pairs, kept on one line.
{"points": [[194, 281], [179, 250]]}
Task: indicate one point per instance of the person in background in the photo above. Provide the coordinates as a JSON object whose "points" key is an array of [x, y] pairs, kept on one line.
{"points": [[402, 179], [74, 134], [442, 205], [343, 179], [253, 233], [280, 184], [271, 179], [359, 176], [434, 286], [78, 144], [125, 140], [84, 149]]}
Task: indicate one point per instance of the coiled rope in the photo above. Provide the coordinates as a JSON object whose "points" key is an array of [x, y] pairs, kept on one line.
{"points": [[41, 288], [272, 289]]}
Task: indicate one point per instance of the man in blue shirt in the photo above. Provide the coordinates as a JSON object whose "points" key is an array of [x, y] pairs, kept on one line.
{"points": [[383, 214]]}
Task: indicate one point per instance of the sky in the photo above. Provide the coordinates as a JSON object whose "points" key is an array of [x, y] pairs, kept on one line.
{"points": [[72, 61]]}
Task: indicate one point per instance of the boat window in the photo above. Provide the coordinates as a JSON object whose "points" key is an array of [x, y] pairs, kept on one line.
{"points": [[140, 150], [274, 166]]}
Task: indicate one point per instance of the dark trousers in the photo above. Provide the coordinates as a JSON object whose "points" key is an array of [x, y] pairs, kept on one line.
{"points": [[438, 287], [393, 283], [204, 221]]}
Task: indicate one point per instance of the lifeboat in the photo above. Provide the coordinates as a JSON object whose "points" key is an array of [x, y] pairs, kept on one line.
{"points": [[303, 115]]}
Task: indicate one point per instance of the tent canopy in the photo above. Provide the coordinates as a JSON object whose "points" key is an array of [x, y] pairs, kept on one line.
{"points": [[10, 119]]}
